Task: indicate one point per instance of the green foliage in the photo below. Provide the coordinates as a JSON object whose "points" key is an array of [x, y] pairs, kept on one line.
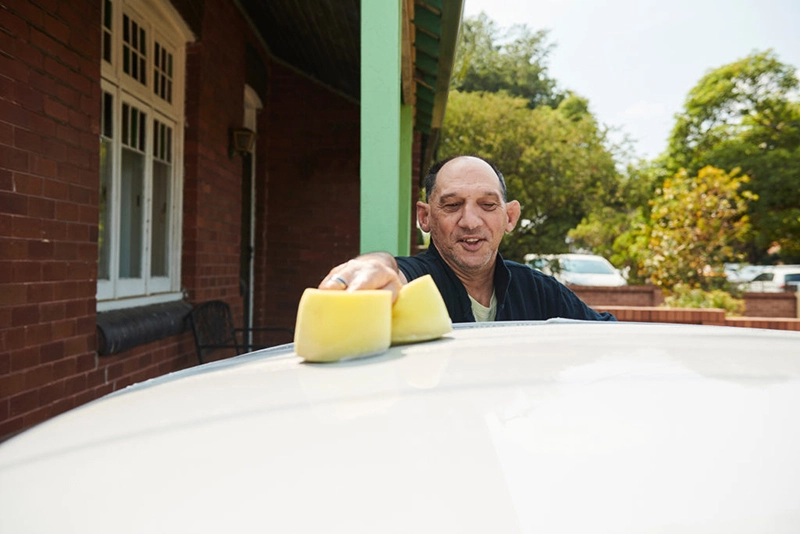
{"points": [[554, 160], [618, 230], [683, 296], [694, 223], [492, 59], [746, 115]]}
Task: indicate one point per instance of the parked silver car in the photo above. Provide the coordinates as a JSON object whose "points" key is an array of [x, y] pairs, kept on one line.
{"points": [[577, 269], [558, 427]]}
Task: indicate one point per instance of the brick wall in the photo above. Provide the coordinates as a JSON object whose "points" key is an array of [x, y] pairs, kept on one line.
{"points": [[772, 305], [49, 158], [309, 149], [716, 317], [646, 295], [756, 304], [49, 188]]}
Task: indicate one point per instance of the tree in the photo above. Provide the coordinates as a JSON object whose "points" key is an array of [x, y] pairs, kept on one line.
{"points": [[746, 115], [554, 160], [695, 222], [490, 59]]}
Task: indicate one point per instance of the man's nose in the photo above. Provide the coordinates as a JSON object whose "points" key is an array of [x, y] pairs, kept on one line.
{"points": [[470, 216]]}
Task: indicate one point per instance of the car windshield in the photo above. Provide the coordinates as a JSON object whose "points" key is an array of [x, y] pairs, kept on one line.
{"points": [[587, 266]]}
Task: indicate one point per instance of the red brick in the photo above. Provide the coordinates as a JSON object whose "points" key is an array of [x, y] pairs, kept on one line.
{"points": [[6, 137], [25, 315], [79, 308], [43, 166], [51, 351], [44, 126], [5, 321], [57, 110], [57, 152], [30, 99], [12, 295], [27, 140], [69, 96], [7, 88], [24, 358], [38, 376], [38, 334], [52, 392], [11, 112], [56, 28], [55, 189], [27, 184], [54, 271], [27, 228], [40, 250], [65, 251], [23, 403], [54, 230], [64, 367], [30, 12], [75, 384], [64, 329], [14, 159], [13, 203], [66, 211], [84, 362], [42, 208]]}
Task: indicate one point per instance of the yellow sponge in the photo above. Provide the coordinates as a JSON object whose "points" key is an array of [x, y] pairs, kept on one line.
{"points": [[419, 313], [332, 325]]}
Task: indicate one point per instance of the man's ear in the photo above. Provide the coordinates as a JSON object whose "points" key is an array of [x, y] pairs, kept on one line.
{"points": [[513, 210], [423, 216]]}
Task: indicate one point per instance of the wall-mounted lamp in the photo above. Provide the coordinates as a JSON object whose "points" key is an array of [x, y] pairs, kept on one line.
{"points": [[242, 141]]}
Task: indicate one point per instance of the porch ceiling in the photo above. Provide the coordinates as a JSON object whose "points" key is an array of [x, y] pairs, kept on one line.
{"points": [[321, 38]]}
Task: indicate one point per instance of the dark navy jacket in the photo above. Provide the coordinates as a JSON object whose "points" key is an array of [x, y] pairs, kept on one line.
{"points": [[522, 293]]}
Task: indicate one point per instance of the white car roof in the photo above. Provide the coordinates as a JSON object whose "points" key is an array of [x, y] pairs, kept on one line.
{"points": [[560, 426]]}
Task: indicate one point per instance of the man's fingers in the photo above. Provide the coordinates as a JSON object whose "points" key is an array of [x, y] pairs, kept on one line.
{"points": [[359, 274]]}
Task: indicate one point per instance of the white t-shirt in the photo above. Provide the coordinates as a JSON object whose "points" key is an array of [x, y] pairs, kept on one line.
{"points": [[482, 313]]}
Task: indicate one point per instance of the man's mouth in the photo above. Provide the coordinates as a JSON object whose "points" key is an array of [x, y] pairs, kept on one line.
{"points": [[471, 243]]}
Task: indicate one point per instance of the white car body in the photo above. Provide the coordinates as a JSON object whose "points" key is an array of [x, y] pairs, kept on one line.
{"points": [[556, 427], [577, 269], [775, 279]]}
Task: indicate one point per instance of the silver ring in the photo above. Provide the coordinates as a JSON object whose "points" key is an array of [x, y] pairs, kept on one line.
{"points": [[341, 281]]}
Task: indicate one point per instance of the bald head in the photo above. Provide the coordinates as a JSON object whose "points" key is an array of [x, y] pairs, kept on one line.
{"points": [[457, 164]]}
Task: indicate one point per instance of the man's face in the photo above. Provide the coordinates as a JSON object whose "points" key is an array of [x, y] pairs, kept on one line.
{"points": [[467, 216]]}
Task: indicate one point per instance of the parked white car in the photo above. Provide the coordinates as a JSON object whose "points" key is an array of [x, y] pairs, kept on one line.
{"points": [[557, 427], [577, 269], [774, 279]]}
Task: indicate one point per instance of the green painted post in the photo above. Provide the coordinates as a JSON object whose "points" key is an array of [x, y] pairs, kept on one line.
{"points": [[386, 132]]}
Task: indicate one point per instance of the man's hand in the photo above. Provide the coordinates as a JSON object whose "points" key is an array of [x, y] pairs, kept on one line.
{"points": [[377, 270]]}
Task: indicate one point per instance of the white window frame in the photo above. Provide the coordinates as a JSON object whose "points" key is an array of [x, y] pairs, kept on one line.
{"points": [[162, 23]]}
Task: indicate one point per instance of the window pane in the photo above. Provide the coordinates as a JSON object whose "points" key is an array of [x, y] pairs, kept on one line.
{"points": [[104, 233], [159, 251], [131, 207]]}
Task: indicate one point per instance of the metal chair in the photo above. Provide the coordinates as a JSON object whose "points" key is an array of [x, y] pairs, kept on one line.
{"points": [[212, 326]]}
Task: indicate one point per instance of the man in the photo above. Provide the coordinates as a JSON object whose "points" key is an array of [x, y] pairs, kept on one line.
{"points": [[467, 214]]}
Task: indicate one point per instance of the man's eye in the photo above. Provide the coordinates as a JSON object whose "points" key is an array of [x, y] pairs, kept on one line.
{"points": [[452, 206], [490, 206]]}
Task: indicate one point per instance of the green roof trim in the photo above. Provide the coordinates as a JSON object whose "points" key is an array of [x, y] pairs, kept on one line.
{"points": [[428, 21], [437, 24], [427, 44]]}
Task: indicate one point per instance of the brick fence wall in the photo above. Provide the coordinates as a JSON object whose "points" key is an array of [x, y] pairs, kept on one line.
{"points": [[756, 304], [716, 317]]}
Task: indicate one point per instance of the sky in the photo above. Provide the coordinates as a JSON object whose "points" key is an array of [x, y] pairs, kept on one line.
{"points": [[637, 60]]}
